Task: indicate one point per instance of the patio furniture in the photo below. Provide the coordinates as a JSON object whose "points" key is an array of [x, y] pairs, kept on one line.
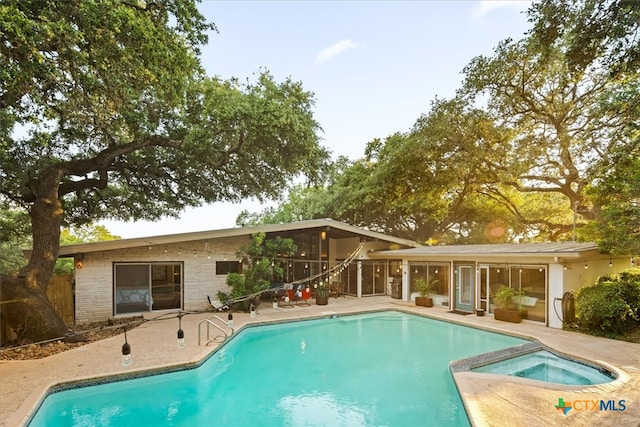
{"points": [[305, 294], [336, 289], [217, 304], [288, 296]]}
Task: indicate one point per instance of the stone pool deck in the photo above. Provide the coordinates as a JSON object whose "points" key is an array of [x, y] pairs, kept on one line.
{"points": [[490, 400]]}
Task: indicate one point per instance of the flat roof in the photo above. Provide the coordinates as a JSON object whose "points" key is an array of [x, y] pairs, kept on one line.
{"points": [[501, 250], [328, 224]]}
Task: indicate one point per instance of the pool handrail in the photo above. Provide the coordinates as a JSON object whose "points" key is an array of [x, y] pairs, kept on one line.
{"points": [[212, 323]]}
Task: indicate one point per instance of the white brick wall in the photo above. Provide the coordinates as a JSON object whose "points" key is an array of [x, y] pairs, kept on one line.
{"points": [[94, 282]]}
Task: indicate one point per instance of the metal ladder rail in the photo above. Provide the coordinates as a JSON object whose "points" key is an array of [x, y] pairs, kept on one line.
{"points": [[223, 321], [209, 323]]}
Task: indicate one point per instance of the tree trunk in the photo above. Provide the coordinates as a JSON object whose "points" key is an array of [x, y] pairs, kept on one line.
{"points": [[30, 313]]}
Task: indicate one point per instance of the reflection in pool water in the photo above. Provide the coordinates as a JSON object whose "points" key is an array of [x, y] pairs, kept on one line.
{"points": [[385, 368]]}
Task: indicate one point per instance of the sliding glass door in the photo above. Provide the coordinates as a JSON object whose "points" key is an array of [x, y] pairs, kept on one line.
{"points": [[140, 287]]}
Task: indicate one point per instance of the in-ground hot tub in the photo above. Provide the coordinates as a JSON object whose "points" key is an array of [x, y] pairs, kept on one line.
{"points": [[543, 365]]}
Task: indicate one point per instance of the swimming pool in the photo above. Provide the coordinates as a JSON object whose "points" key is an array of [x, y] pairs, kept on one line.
{"points": [[545, 366], [387, 368]]}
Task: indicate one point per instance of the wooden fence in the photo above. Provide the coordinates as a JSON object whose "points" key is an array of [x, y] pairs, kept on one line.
{"points": [[60, 293]]}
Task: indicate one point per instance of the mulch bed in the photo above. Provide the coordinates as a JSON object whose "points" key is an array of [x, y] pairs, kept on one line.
{"points": [[86, 334]]}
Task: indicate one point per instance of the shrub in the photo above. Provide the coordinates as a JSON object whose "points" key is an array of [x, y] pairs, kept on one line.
{"points": [[612, 306], [507, 298], [262, 270], [425, 287], [630, 289]]}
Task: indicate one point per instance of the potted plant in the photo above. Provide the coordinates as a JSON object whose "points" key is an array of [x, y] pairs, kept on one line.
{"points": [[507, 304], [322, 294], [425, 288]]}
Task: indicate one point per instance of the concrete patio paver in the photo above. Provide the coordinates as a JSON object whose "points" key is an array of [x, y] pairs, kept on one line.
{"points": [[490, 400]]}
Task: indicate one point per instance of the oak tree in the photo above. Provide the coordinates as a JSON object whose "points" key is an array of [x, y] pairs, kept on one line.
{"points": [[105, 112]]}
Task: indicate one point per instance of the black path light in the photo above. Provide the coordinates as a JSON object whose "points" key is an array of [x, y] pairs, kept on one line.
{"points": [[230, 320], [180, 331], [126, 350]]}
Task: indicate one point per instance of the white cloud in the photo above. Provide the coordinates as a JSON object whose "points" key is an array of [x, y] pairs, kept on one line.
{"points": [[336, 48], [486, 6]]}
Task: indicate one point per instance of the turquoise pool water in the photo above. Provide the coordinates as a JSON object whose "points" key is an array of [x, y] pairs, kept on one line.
{"points": [[375, 369], [546, 366]]}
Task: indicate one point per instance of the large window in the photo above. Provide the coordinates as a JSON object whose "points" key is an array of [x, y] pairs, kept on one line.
{"points": [[226, 267], [373, 281], [531, 280], [140, 287], [438, 273]]}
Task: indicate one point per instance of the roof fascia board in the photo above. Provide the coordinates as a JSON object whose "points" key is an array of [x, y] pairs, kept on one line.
{"points": [[222, 233]]}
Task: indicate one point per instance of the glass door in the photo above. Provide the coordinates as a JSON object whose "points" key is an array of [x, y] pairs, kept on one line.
{"points": [[465, 287], [484, 287], [131, 288], [166, 286], [145, 287]]}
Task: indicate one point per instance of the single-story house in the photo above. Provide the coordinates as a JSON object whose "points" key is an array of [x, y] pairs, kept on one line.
{"points": [[468, 275], [179, 271]]}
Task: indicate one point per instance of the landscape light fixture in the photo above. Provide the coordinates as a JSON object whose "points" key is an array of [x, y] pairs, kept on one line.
{"points": [[180, 331], [126, 351]]}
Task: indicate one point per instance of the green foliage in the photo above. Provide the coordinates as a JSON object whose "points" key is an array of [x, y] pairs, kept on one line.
{"points": [[611, 307], [14, 237], [321, 290], [302, 203], [105, 112], [616, 227], [507, 298], [425, 287], [82, 234], [114, 96], [263, 268], [238, 286], [535, 126], [590, 30]]}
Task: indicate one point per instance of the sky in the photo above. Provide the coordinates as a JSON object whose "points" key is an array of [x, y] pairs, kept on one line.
{"points": [[374, 67]]}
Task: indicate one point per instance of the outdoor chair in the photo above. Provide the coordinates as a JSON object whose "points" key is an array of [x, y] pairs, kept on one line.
{"points": [[335, 290], [288, 296], [305, 294], [217, 304]]}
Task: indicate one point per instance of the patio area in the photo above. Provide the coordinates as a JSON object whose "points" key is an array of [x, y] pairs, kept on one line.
{"points": [[489, 399]]}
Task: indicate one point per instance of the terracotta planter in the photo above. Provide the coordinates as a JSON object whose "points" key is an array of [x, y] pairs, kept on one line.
{"points": [[424, 301], [513, 316], [322, 299]]}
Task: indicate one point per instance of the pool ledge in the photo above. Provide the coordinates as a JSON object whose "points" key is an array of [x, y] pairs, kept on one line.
{"points": [[488, 397], [464, 365], [470, 363]]}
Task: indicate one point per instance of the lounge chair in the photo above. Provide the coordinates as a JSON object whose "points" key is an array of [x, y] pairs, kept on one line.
{"points": [[217, 304]]}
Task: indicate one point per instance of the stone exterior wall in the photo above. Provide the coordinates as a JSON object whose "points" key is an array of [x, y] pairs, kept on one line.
{"points": [[94, 287]]}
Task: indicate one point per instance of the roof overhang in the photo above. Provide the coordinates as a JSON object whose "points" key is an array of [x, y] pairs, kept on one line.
{"points": [[502, 253], [333, 228]]}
